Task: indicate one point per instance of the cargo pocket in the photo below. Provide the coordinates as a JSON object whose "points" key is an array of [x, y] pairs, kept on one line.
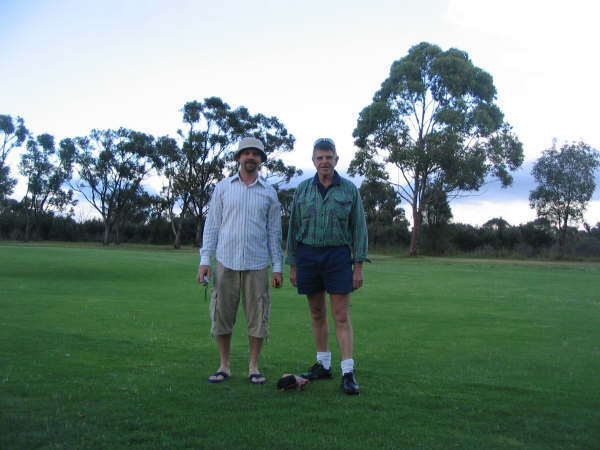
{"points": [[212, 310], [266, 313]]}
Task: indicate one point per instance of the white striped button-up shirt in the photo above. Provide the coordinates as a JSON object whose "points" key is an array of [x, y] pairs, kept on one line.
{"points": [[243, 226]]}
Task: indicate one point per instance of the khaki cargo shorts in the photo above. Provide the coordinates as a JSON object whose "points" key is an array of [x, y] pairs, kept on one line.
{"points": [[253, 285]]}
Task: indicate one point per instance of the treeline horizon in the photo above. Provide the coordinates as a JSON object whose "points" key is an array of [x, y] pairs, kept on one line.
{"points": [[495, 238], [435, 119]]}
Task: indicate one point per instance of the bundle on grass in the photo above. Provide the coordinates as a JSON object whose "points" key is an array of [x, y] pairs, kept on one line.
{"points": [[289, 381]]}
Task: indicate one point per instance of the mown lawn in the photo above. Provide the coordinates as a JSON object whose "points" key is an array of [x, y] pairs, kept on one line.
{"points": [[109, 348]]}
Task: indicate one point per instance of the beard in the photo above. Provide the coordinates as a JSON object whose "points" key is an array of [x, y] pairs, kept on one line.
{"points": [[250, 166]]}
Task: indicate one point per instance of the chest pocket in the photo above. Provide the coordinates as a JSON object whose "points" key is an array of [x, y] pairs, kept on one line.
{"points": [[340, 206]]}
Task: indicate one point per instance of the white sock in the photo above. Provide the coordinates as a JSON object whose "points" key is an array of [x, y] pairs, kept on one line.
{"points": [[324, 358], [347, 366]]}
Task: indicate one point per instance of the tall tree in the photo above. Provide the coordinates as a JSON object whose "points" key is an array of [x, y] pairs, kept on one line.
{"points": [[45, 177], [11, 136], [213, 130], [277, 142], [434, 119], [565, 179], [109, 166], [175, 197]]}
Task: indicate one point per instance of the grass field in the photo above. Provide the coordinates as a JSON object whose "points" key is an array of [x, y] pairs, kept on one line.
{"points": [[106, 348]]}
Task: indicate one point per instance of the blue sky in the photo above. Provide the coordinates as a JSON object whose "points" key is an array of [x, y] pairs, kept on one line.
{"points": [[69, 66]]}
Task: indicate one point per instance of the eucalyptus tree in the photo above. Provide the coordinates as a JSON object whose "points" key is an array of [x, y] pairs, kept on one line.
{"points": [[212, 132], [40, 165], [109, 168], [566, 183], [277, 140], [13, 134], [175, 197], [434, 121]]}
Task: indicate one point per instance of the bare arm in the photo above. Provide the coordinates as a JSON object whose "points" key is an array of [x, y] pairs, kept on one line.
{"points": [[357, 276]]}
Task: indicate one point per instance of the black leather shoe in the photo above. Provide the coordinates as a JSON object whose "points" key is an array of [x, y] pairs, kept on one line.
{"points": [[349, 384], [317, 372]]}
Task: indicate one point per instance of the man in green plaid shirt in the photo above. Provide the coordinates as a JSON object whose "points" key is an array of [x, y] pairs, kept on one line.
{"points": [[326, 247]]}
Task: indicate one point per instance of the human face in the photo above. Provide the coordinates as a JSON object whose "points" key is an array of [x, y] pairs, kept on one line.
{"points": [[325, 162], [250, 160]]}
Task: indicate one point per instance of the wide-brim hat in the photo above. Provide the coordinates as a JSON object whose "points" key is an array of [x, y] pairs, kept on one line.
{"points": [[250, 142]]}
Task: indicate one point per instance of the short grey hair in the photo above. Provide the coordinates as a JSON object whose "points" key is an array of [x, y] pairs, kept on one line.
{"points": [[324, 144]]}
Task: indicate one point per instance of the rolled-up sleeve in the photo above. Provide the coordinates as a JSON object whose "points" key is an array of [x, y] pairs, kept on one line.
{"points": [[274, 234], [210, 236], [358, 228]]}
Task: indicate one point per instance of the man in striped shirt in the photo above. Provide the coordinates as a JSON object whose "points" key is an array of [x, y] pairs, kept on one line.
{"points": [[243, 231], [326, 247]]}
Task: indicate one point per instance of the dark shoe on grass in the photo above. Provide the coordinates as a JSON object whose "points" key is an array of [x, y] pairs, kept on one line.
{"points": [[349, 384], [317, 372]]}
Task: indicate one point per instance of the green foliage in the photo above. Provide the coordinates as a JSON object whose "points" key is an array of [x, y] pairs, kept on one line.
{"points": [[107, 348], [40, 165], [466, 238], [435, 120], [208, 149], [175, 197], [386, 221], [434, 236], [7, 184], [566, 183], [437, 211], [538, 233], [110, 166], [286, 200], [381, 203], [11, 136], [388, 237]]}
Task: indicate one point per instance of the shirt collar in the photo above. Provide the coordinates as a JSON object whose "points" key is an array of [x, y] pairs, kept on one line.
{"points": [[237, 177], [337, 180]]}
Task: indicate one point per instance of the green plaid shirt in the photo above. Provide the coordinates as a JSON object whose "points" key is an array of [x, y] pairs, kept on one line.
{"points": [[336, 220]]}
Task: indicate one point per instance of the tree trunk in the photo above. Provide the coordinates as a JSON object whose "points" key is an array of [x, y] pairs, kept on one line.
{"points": [[414, 237], [177, 235], [176, 230], [28, 228], [106, 232], [199, 227], [117, 234], [562, 236]]}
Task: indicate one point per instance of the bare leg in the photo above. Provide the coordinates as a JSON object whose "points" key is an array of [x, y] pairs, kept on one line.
{"points": [[340, 310], [255, 347], [318, 312], [224, 345]]}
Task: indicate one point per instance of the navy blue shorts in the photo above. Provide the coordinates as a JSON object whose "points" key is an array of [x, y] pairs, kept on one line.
{"points": [[321, 269]]}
